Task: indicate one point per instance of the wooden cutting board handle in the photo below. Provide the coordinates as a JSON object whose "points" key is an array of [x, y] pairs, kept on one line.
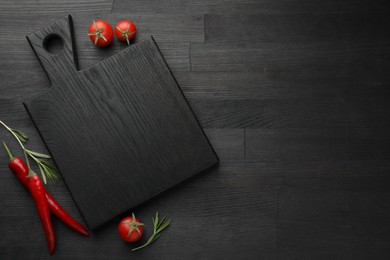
{"points": [[55, 64]]}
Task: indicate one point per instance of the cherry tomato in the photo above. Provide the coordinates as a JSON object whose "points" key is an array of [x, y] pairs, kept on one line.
{"points": [[125, 31], [131, 229], [100, 33]]}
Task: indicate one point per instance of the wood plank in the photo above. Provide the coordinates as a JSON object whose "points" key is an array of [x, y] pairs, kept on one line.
{"points": [[338, 175], [264, 86], [43, 7], [322, 223], [19, 83], [296, 144], [369, 112], [250, 6], [366, 175], [285, 113], [187, 7], [177, 55], [292, 59], [317, 144], [298, 28], [228, 143]]}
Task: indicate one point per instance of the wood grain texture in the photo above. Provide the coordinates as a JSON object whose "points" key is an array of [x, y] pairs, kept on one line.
{"points": [[308, 29], [39, 7], [360, 224], [317, 144], [284, 58], [294, 95], [121, 131], [17, 59], [251, 6]]}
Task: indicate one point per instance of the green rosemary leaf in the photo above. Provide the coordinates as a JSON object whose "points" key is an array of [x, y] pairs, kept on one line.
{"points": [[158, 227], [51, 173], [156, 221], [46, 163], [21, 138], [163, 226], [18, 132], [162, 221], [40, 155], [42, 173], [57, 176], [154, 238]]}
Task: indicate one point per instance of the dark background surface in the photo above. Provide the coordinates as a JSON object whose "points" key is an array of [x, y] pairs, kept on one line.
{"points": [[294, 96]]}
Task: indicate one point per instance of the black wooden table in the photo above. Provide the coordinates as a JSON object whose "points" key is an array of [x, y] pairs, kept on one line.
{"points": [[295, 98]]}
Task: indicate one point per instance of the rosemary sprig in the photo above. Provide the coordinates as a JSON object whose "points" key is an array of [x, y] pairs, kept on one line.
{"points": [[47, 170], [158, 227]]}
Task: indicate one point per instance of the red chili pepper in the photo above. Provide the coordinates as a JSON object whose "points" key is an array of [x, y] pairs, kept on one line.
{"points": [[37, 190], [20, 170], [57, 210]]}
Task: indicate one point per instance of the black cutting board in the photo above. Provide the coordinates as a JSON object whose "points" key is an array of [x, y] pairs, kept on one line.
{"points": [[121, 131]]}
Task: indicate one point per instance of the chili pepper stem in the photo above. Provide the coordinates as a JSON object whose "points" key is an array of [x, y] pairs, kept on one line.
{"points": [[10, 155], [30, 173]]}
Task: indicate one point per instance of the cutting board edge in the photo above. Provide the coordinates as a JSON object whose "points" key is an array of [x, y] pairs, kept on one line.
{"points": [[204, 170], [182, 93]]}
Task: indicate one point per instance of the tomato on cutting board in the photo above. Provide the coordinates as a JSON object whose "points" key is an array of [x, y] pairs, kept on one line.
{"points": [[101, 33], [131, 229], [125, 31]]}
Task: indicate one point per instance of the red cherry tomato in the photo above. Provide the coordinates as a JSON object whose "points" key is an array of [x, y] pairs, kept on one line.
{"points": [[131, 229], [125, 31], [100, 33]]}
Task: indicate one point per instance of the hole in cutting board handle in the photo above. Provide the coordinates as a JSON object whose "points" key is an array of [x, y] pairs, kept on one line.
{"points": [[53, 43]]}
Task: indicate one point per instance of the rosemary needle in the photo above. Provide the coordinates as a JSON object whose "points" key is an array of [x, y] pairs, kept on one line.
{"points": [[158, 227]]}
